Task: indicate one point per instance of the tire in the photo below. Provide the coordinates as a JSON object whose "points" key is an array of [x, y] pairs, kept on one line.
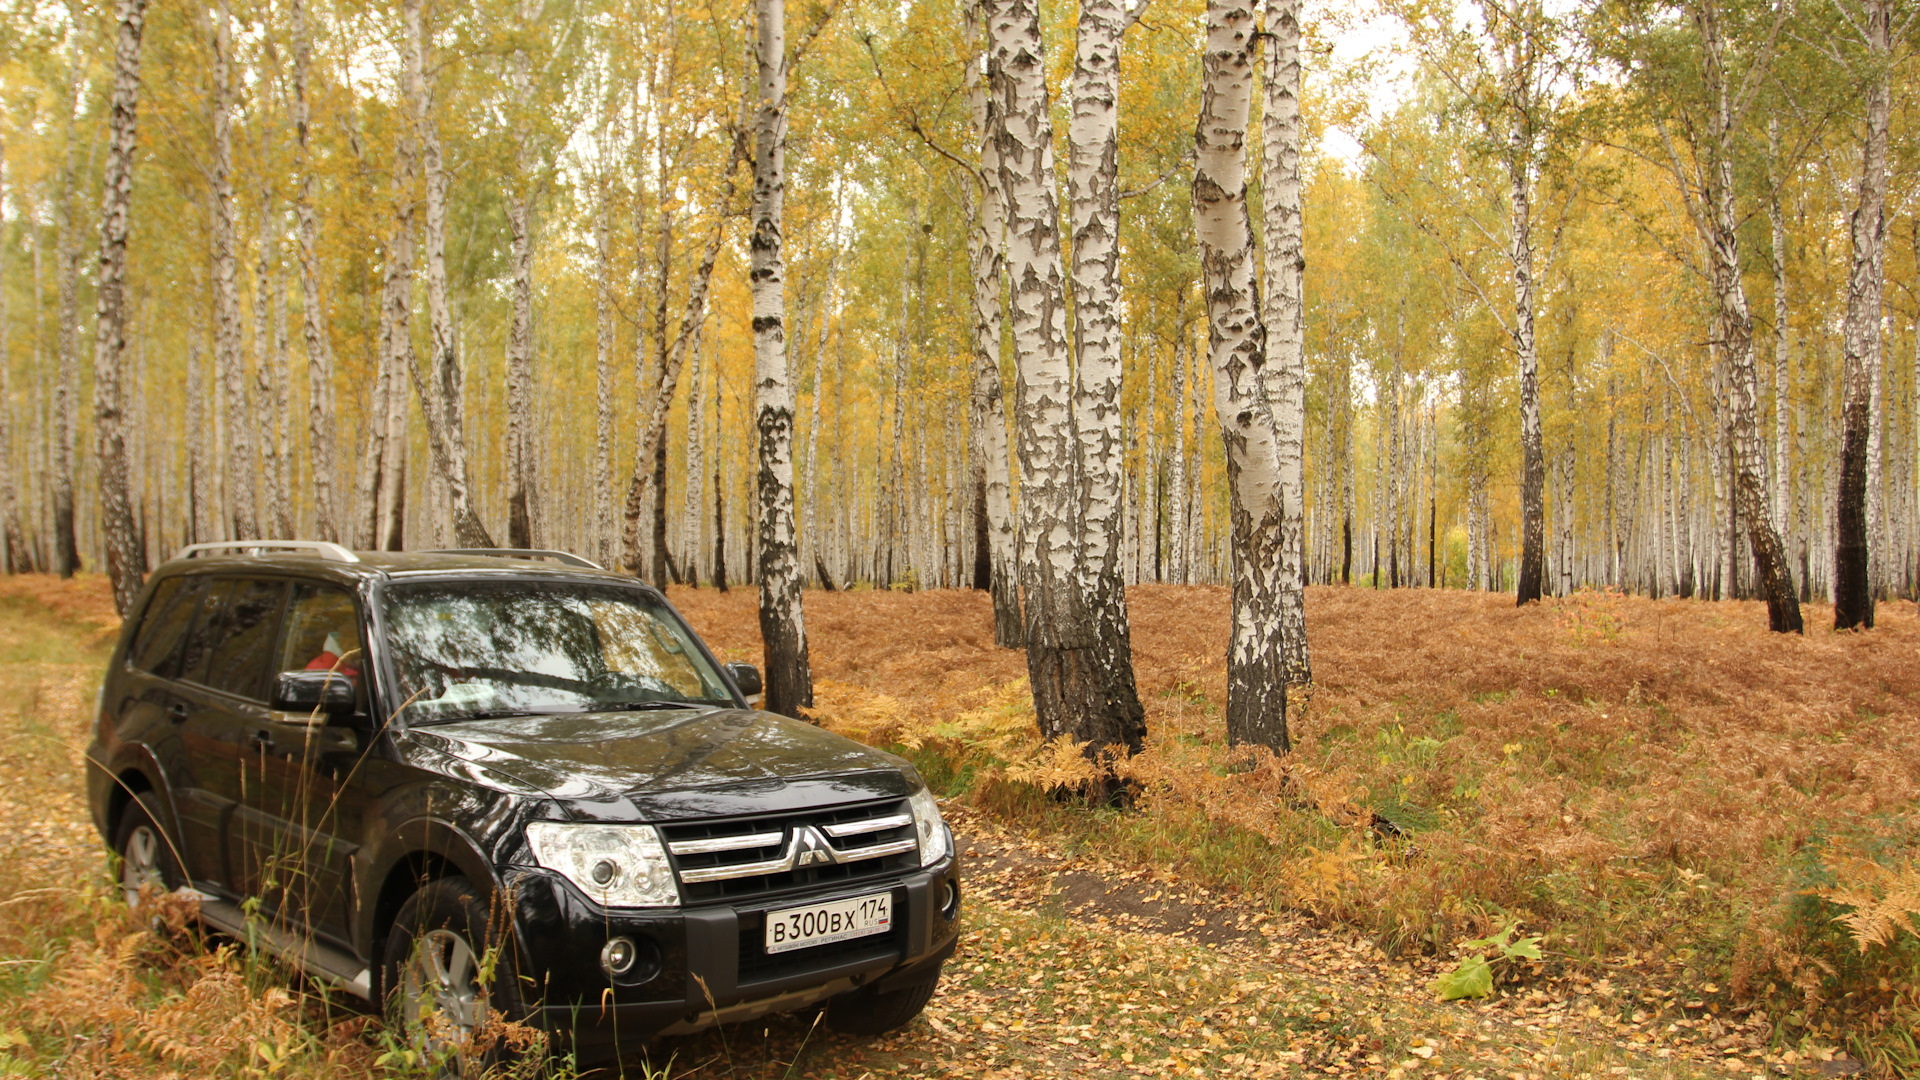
{"points": [[876, 1012], [143, 853], [432, 976]]}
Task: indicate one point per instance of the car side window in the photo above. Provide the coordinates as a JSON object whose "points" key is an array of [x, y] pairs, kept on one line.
{"points": [[156, 647], [323, 632], [244, 644], [206, 628]]}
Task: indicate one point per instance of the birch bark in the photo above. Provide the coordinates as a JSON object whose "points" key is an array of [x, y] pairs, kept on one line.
{"points": [[604, 345], [1852, 582], [789, 682], [389, 495], [13, 541], [66, 387], [126, 557], [321, 417], [1072, 693], [1093, 185], [1747, 465], [522, 529], [1177, 467], [439, 387], [1284, 376], [237, 444], [1256, 675], [268, 423], [991, 467], [1782, 384]]}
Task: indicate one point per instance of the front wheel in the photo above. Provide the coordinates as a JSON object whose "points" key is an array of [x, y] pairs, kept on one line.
{"points": [[875, 1012], [146, 856], [440, 978]]}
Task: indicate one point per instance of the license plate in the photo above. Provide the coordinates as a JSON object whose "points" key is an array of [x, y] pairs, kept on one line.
{"points": [[834, 920]]}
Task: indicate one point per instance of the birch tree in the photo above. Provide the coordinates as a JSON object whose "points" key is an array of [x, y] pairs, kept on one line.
{"points": [[1073, 694], [66, 388], [789, 682], [995, 547], [319, 342], [14, 553], [126, 558], [439, 388], [1284, 375], [1256, 671], [1093, 187], [242, 512], [1872, 22]]}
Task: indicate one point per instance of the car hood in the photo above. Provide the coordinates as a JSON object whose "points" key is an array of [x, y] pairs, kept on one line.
{"points": [[666, 765]]}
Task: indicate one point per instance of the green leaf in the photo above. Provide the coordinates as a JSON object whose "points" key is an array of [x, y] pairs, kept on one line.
{"points": [[1526, 948], [1472, 979]]}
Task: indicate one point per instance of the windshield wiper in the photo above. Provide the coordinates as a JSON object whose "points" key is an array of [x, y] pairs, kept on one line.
{"points": [[642, 706]]}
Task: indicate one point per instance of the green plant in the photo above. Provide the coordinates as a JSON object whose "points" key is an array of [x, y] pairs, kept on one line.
{"points": [[1473, 977]]}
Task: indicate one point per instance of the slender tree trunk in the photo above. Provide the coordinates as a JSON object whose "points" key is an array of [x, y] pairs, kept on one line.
{"points": [[439, 388], [783, 632], [389, 495], [126, 556], [237, 442], [996, 551], [1853, 584], [1093, 184], [1177, 467], [1533, 468], [13, 540], [66, 389], [658, 400], [1284, 375], [321, 417], [604, 346], [696, 468], [1256, 677], [522, 529], [1073, 692]]}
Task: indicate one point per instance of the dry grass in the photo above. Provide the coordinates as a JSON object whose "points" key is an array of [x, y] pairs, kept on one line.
{"points": [[1659, 786]]}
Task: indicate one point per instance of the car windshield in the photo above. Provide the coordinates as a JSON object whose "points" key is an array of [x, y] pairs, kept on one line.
{"points": [[477, 649]]}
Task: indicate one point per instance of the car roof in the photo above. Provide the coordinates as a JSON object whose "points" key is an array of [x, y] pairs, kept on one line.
{"points": [[326, 565]]}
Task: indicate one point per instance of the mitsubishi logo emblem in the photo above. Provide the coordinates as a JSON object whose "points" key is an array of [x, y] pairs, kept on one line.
{"points": [[810, 848]]}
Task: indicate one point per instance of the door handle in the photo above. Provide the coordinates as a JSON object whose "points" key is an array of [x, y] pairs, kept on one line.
{"points": [[262, 741], [177, 712]]}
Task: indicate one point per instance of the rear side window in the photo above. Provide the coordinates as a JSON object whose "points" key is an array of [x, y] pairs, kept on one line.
{"points": [[163, 628], [244, 642], [206, 627]]}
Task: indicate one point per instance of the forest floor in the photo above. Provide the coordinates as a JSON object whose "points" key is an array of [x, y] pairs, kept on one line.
{"points": [[1639, 781]]}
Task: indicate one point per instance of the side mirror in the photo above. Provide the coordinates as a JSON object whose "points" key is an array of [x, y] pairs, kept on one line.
{"points": [[326, 692], [746, 677]]}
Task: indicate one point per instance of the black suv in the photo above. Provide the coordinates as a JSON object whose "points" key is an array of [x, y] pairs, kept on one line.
{"points": [[468, 785]]}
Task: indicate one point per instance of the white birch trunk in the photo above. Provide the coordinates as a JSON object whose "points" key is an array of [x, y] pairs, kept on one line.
{"points": [[66, 387], [274, 497], [126, 557], [237, 443], [389, 495], [992, 468], [1284, 376], [1063, 634], [1093, 184], [604, 346], [439, 387], [1177, 467], [1256, 681], [789, 681], [321, 416], [13, 541]]}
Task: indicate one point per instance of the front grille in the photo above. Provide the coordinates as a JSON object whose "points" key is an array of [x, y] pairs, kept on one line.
{"points": [[744, 857]]}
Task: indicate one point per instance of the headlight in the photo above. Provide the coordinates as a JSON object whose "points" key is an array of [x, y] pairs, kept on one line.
{"points": [[928, 827], [621, 866]]}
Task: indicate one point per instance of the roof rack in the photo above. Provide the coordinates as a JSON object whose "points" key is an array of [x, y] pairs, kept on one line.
{"points": [[566, 557], [322, 548]]}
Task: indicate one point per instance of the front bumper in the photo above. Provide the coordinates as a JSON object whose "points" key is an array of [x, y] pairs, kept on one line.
{"points": [[704, 965]]}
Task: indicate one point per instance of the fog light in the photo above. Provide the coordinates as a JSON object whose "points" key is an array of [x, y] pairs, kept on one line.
{"points": [[618, 955], [949, 899]]}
